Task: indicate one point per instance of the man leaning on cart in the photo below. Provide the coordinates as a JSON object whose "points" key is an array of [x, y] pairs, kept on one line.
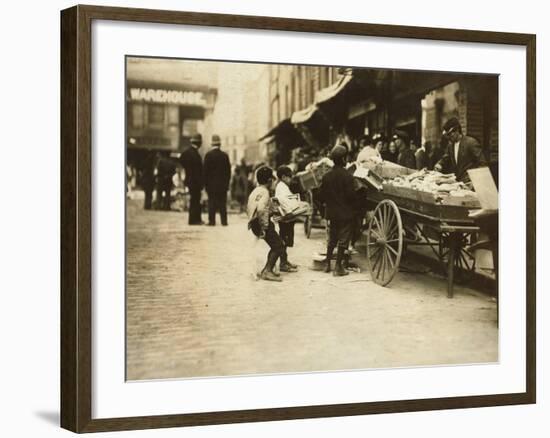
{"points": [[462, 153]]}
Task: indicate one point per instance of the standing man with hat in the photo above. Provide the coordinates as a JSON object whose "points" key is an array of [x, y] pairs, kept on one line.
{"points": [[191, 162], [406, 156], [217, 174], [462, 152]]}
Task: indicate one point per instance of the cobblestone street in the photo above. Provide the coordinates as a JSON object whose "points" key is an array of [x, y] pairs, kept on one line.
{"points": [[195, 309]]}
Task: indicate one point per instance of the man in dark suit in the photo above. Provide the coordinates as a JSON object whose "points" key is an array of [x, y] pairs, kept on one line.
{"points": [[462, 152], [148, 179], [165, 172], [217, 173], [191, 162]]}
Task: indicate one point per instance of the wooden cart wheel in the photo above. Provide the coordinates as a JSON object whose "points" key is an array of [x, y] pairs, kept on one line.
{"points": [[465, 260], [384, 242], [308, 222]]}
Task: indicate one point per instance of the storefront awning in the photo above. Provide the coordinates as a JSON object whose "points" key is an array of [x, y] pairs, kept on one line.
{"points": [[329, 93], [284, 132], [277, 129], [304, 115]]}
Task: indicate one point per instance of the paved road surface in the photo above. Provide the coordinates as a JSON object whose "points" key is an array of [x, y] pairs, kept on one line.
{"points": [[195, 309]]}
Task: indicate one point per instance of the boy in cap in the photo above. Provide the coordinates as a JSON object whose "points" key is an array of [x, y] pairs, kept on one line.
{"points": [[259, 210], [286, 229], [338, 194]]}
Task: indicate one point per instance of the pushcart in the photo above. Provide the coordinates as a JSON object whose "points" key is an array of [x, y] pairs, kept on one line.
{"points": [[399, 218]]}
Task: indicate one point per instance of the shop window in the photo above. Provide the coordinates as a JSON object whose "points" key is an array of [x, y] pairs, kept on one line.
{"points": [[156, 114], [190, 127], [173, 114], [136, 115]]}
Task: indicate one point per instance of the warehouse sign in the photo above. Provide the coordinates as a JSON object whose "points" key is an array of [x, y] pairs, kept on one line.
{"points": [[152, 95]]}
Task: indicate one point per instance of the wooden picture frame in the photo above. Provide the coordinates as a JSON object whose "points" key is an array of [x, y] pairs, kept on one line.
{"points": [[76, 218]]}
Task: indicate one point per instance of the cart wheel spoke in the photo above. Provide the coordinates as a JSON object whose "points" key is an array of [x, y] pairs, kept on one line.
{"points": [[394, 231], [381, 258], [377, 261], [391, 260], [386, 220], [379, 228], [384, 242], [376, 234], [392, 241], [392, 250], [375, 252], [391, 223]]}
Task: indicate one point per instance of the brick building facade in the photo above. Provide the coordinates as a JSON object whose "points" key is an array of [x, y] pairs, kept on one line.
{"points": [[314, 107]]}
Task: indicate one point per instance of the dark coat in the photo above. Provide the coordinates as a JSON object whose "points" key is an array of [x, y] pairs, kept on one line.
{"points": [[406, 158], [337, 192], [217, 171], [421, 159], [433, 158], [470, 156], [389, 156], [191, 161]]}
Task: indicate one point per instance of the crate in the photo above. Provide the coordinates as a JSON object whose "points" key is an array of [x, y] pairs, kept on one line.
{"points": [[311, 179]]}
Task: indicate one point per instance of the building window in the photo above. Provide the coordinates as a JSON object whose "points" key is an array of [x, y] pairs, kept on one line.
{"points": [[156, 114], [136, 115], [190, 127], [173, 114]]}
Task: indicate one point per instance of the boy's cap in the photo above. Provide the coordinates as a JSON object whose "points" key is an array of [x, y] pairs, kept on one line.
{"points": [[264, 174], [338, 152]]}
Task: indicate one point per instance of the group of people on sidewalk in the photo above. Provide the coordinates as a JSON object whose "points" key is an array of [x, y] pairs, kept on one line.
{"points": [[213, 175], [339, 195]]}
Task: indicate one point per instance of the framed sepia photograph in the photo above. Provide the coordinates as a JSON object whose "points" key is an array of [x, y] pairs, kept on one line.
{"points": [[270, 219]]}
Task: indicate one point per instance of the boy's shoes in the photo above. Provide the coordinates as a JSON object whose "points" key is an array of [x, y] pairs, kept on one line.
{"points": [[327, 266], [270, 276], [340, 271], [287, 267], [292, 265]]}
